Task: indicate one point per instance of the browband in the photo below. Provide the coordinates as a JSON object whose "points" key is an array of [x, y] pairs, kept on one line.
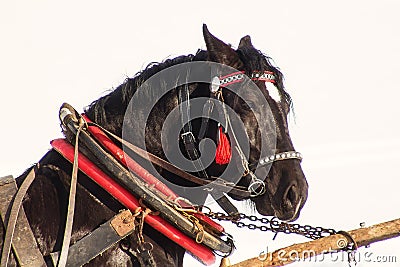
{"points": [[236, 77]]}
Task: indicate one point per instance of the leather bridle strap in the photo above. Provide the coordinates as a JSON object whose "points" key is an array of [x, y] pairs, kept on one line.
{"points": [[207, 111], [187, 136], [194, 154]]}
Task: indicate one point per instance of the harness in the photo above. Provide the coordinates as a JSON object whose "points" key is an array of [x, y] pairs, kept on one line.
{"points": [[142, 193], [136, 188]]}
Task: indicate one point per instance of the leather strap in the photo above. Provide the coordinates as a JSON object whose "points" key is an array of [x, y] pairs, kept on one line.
{"points": [[193, 153], [98, 241], [18, 234], [187, 136], [62, 261], [207, 111]]}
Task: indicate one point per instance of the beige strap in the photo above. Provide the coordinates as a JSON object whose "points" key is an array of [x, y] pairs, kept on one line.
{"points": [[62, 261]]}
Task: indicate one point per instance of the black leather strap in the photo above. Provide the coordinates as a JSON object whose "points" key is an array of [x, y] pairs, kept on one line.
{"points": [[98, 241], [193, 153], [187, 136], [207, 111]]}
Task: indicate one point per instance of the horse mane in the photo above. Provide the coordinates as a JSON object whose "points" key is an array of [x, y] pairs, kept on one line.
{"points": [[106, 111]]}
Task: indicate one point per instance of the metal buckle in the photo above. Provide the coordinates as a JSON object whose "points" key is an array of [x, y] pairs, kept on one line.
{"points": [[188, 137]]}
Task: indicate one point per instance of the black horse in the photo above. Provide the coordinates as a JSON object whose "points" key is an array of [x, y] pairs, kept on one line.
{"points": [[285, 185]]}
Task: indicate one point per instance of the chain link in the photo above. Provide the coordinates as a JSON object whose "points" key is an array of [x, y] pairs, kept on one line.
{"points": [[273, 224], [277, 226]]}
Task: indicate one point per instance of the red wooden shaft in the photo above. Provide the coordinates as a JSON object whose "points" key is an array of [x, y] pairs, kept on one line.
{"points": [[201, 252]]}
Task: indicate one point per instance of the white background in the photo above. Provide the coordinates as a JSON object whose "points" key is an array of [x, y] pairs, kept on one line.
{"points": [[341, 61]]}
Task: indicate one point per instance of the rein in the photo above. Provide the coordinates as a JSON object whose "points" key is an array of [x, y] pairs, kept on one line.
{"points": [[62, 261]]}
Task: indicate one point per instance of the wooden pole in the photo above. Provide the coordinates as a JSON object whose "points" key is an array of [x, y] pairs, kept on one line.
{"points": [[362, 236]]}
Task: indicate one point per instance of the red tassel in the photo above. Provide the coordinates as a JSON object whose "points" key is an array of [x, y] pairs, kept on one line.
{"points": [[223, 153]]}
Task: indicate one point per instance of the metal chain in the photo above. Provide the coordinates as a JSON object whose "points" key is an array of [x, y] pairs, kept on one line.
{"points": [[273, 224]]}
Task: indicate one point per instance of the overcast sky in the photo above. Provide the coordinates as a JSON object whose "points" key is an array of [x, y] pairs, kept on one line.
{"points": [[341, 63]]}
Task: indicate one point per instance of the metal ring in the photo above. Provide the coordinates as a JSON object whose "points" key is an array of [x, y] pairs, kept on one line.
{"points": [[254, 188], [147, 246], [200, 236]]}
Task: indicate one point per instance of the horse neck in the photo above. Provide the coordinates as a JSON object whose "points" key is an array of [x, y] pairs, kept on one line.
{"points": [[109, 112]]}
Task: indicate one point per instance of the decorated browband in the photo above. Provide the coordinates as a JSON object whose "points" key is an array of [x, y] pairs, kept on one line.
{"points": [[236, 77]]}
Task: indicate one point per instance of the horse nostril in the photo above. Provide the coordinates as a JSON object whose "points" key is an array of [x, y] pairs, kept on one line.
{"points": [[291, 195]]}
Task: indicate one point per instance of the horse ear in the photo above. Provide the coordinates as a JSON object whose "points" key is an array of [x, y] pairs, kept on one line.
{"points": [[220, 52], [245, 42]]}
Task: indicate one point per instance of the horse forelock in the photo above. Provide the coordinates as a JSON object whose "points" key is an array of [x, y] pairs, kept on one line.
{"points": [[255, 60]]}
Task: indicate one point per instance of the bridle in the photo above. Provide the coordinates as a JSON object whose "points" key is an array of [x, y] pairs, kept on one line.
{"points": [[256, 186]]}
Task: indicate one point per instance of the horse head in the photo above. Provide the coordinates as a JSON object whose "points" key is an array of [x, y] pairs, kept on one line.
{"points": [[263, 110], [147, 111]]}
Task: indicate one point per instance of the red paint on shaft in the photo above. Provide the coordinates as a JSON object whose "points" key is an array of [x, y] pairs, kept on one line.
{"points": [[128, 161], [201, 252]]}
